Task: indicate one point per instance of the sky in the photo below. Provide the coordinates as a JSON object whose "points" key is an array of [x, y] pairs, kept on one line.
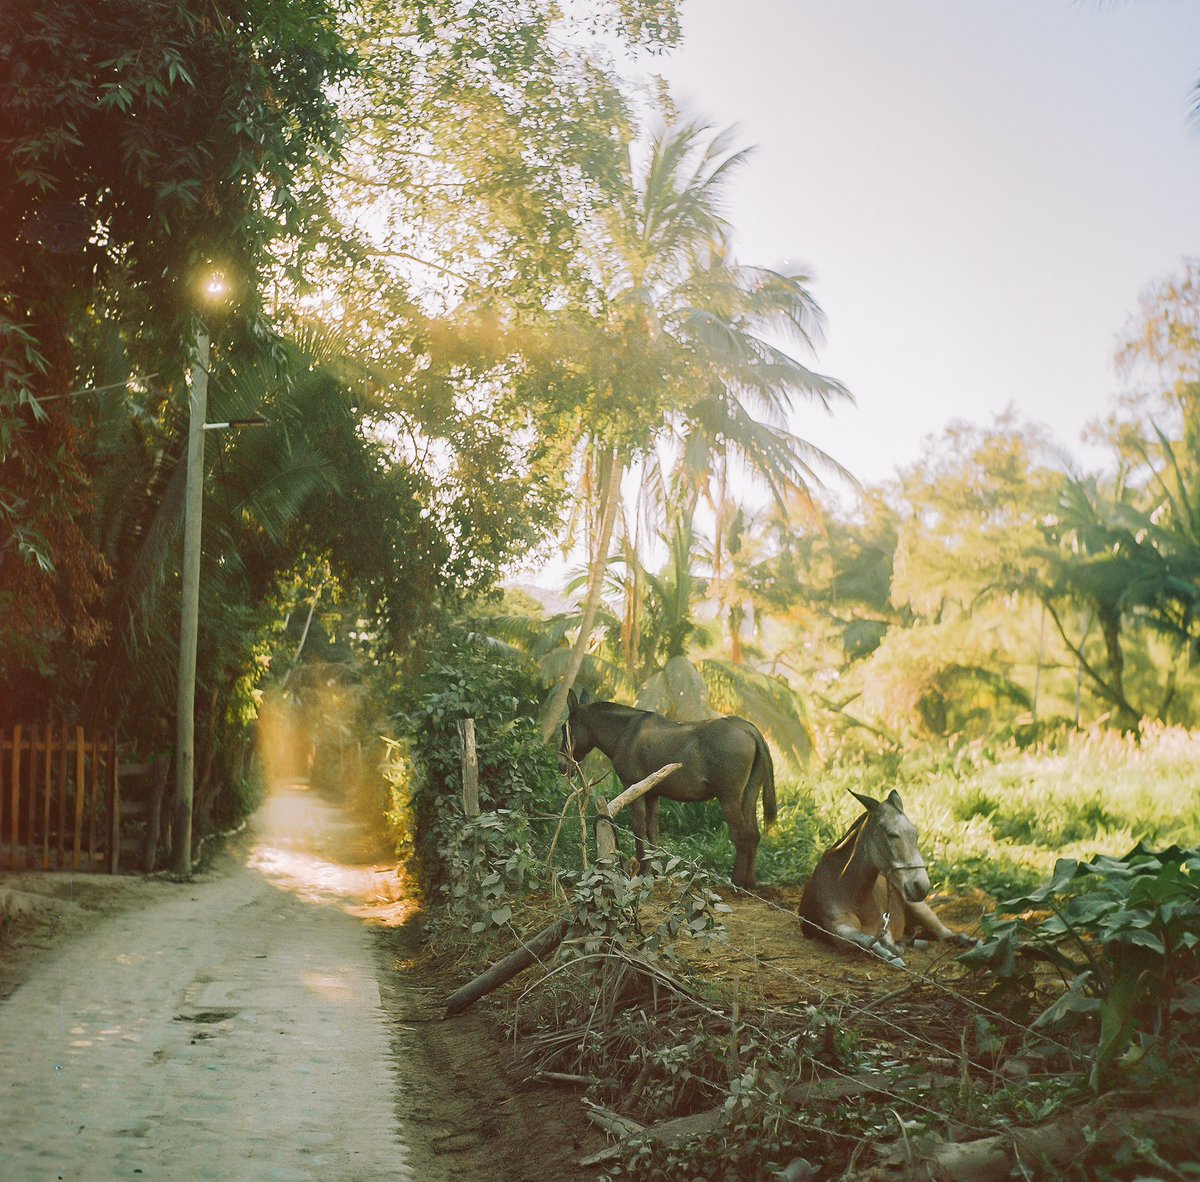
{"points": [[981, 189]]}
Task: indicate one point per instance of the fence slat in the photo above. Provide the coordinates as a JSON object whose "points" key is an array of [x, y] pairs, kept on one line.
{"points": [[80, 792], [15, 785], [31, 784], [114, 807], [48, 790], [93, 803], [62, 794]]}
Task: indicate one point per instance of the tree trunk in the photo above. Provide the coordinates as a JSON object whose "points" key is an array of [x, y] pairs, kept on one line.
{"points": [[608, 516]]}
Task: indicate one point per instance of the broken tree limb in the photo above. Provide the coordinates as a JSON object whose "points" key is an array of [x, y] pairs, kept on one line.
{"points": [[1095, 1128], [668, 1132], [545, 942], [640, 788], [550, 937], [606, 834]]}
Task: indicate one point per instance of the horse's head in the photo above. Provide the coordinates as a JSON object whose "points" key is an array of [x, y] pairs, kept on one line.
{"points": [[577, 737], [890, 839]]}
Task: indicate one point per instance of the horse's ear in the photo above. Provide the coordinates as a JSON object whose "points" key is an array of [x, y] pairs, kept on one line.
{"points": [[586, 697], [868, 802], [572, 701], [895, 801]]}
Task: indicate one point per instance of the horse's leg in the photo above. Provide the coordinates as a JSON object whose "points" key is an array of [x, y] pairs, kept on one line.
{"points": [[652, 821], [923, 916], [882, 946], [637, 817], [753, 834], [743, 845]]}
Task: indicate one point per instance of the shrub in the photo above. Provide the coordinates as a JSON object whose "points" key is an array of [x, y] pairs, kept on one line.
{"points": [[1127, 931], [518, 772]]}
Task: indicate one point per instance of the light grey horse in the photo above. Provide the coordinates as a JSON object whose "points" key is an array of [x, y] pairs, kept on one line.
{"points": [[869, 888]]}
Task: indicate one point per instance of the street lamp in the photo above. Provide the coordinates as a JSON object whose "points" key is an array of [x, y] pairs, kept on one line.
{"points": [[214, 288]]}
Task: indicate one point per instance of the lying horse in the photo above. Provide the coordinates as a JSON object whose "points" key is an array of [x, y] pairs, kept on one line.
{"points": [[869, 888], [723, 758]]}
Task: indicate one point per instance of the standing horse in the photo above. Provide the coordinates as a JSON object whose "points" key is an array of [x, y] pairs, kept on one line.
{"points": [[723, 758], [869, 887]]}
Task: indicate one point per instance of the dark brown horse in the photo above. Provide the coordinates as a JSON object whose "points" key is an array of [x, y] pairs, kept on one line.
{"points": [[869, 888], [725, 759]]}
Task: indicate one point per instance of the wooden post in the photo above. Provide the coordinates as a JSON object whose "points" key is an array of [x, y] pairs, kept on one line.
{"points": [[48, 788], [15, 790], [80, 793], [606, 833], [93, 803], [30, 858], [114, 806], [470, 767], [62, 794]]}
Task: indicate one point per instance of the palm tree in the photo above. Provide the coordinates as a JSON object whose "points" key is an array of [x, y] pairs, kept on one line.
{"points": [[685, 340]]}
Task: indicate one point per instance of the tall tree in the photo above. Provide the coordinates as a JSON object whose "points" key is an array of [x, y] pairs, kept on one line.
{"points": [[683, 334]]}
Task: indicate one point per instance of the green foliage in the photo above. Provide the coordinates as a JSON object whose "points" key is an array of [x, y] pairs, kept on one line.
{"points": [[518, 772], [605, 906], [488, 865], [1127, 930]]}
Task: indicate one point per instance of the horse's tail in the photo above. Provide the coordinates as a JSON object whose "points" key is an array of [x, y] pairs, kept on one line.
{"points": [[765, 766]]}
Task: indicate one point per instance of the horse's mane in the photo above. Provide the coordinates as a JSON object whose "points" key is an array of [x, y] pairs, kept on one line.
{"points": [[618, 708], [850, 839]]}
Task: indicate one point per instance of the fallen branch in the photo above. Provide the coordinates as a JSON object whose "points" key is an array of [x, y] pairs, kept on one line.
{"points": [[667, 1132], [539, 946], [1096, 1127]]}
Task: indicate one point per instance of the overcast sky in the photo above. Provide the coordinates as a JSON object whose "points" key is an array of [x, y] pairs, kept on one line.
{"points": [[981, 189]]}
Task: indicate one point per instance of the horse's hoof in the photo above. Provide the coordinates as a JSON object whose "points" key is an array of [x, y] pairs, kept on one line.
{"points": [[962, 940]]}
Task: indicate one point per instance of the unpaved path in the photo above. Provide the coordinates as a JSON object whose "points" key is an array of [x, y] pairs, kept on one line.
{"points": [[229, 1028]]}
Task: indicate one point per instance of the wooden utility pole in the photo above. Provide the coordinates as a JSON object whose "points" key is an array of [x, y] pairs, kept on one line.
{"points": [[185, 702]]}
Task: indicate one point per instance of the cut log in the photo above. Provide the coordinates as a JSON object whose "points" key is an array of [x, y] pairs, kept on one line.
{"points": [[539, 946]]}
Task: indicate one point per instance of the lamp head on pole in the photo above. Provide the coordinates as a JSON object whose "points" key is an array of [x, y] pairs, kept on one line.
{"points": [[212, 287]]}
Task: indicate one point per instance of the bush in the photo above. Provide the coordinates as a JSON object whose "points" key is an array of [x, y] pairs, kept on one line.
{"points": [[1127, 931], [518, 771]]}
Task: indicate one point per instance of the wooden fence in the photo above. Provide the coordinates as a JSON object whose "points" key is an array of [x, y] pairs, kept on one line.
{"points": [[60, 798]]}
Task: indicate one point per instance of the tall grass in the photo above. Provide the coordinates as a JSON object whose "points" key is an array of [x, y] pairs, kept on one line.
{"points": [[996, 818]]}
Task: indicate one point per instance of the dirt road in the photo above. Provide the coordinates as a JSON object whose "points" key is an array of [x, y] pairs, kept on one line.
{"points": [[229, 1028]]}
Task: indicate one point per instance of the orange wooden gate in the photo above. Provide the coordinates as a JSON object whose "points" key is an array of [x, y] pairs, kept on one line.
{"points": [[60, 798]]}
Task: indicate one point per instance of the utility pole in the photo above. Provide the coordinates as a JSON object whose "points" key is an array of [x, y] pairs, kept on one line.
{"points": [[185, 734]]}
